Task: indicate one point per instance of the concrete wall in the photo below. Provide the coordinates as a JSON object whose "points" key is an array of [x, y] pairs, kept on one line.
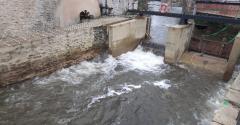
{"points": [[125, 36], [233, 58], [177, 42], [68, 10]]}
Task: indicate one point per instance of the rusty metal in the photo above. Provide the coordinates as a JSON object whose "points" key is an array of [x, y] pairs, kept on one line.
{"points": [[214, 48]]}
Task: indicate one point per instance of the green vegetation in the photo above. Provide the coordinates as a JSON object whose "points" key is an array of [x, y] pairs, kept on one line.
{"points": [[217, 31]]}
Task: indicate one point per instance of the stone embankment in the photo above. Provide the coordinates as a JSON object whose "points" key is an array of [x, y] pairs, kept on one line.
{"points": [[38, 37], [228, 114], [39, 53]]}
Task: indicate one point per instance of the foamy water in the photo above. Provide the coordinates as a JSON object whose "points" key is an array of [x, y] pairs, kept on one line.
{"points": [[165, 84], [111, 93], [134, 88], [135, 60]]}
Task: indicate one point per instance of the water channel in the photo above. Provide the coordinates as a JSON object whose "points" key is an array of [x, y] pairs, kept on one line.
{"points": [[136, 88]]}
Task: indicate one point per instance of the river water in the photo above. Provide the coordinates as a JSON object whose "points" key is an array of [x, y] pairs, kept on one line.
{"points": [[159, 25], [136, 88]]}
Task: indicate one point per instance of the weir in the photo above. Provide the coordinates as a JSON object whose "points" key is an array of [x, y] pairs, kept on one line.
{"points": [[90, 62], [179, 43]]}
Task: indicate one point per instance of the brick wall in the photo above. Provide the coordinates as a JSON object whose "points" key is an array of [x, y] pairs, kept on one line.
{"points": [[219, 9]]}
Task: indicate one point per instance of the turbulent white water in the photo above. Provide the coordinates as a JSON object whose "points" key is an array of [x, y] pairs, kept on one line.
{"points": [[111, 92], [135, 60], [165, 84]]}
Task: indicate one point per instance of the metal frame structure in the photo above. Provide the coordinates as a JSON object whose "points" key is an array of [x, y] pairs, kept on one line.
{"points": [[223, 3], [210, 18]]}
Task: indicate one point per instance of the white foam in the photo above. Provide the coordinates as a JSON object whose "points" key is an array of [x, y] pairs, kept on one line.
{"points": [[64, 121], [215, 101], [111, 93], [140, 60], [162, 84], [135, 60], [75, 74]]}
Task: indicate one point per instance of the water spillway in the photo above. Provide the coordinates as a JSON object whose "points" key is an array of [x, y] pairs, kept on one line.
{"points": [[136, 88]]}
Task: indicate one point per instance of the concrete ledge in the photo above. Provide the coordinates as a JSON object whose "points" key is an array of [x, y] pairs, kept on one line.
{"points": [[206, 62], [233, 96], [226, 115], [228, 111]]}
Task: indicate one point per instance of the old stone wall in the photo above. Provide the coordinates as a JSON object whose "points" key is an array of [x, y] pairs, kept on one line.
{"points": [[45, 52], [32, 43], [22, 17]]}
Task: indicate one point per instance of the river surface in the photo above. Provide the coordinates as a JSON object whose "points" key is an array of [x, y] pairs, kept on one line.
{"points": [[159, 25], [136, 88]]}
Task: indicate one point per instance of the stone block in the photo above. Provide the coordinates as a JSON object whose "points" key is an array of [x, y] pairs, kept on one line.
{"points": [[224, 119], [236, 84], [228, 111], [233, 96]]}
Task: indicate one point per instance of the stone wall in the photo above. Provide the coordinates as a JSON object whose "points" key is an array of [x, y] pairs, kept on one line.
{"points": [[31, 45], [49, 51]]}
